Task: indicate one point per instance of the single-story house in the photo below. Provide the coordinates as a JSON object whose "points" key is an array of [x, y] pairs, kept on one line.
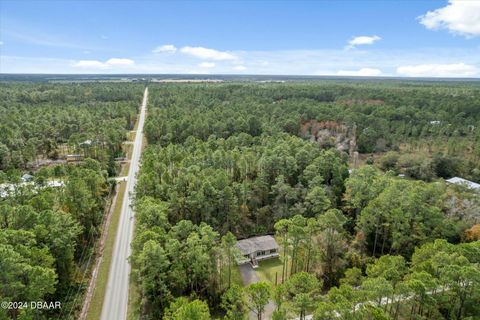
{"points": [[464, 182], [257, 248]]}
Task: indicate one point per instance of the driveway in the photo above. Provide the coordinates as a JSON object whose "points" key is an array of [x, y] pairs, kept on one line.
{"points": [[249, 276]]}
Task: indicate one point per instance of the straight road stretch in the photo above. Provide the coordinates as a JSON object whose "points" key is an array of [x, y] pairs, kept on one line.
{"points": [[116, 296]]}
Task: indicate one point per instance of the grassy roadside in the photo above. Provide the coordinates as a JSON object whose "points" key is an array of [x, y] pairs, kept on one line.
{"points": [[132, 134], [128, 148], [96, 304], [126, 166], [133, 311], [124, 171]]}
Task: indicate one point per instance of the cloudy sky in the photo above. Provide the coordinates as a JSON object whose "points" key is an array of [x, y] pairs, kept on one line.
{"points": [[363, 38]]}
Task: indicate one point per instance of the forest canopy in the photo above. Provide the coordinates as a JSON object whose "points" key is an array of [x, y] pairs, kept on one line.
{"points": [[52, 210], [346, 175]]}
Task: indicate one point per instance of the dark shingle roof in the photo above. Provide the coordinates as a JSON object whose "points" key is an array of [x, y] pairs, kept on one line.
{"points": [[254, 244]]}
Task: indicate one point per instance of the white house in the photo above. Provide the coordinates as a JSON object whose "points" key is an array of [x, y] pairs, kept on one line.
{"points": [[257, 248]]}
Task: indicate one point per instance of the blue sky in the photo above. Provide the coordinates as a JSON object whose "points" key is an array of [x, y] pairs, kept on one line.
{"points": [[370, 38]]}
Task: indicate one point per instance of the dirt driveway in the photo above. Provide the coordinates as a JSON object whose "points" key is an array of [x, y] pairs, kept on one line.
{"points": [[249, 276]]}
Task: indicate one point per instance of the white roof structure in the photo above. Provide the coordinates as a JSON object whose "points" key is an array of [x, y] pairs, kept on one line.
{"points": [[254, 244], [6, 189], [55, 183], [464, 182], [86, 142], [27, 177]]}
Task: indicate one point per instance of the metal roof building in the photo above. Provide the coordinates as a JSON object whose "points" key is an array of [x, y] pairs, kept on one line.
{"points": [[464, 182]]}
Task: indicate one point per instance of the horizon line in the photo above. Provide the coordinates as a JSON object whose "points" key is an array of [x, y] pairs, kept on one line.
{"points": [[385, 77]]}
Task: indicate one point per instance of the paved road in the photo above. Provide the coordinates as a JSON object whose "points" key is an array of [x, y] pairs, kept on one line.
{"points": [[116, 296], [120, 179]]}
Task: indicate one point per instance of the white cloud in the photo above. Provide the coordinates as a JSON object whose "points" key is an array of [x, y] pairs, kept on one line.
{"points": [[119, 62], [363, 72], [240, 68], [206, 53], [459, 16], [207, 65], [89, 64], [286, 62], [110, 63], [166, 48], [438, 70], [362, 40]]}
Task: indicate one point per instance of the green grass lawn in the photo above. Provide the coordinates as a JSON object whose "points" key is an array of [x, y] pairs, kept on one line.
{"points": [[96, 304], [236, 276], [128, 148], [268, 268]]}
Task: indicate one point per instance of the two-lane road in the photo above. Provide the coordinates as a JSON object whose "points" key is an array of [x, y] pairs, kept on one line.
{"points": [[115, 302]]}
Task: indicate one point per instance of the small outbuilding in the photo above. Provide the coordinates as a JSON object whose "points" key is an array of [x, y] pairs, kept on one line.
{"points": [[86, 143], [27, 177], [464, 182], [257, 248], [73, 157]]}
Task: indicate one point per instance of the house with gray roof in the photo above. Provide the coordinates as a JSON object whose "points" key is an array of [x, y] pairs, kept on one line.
{"points": [[257, 248]]}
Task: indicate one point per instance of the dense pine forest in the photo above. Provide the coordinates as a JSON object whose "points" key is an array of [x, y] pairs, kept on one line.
{"points": [[47, 121], [348, 177], [51, 209]]}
